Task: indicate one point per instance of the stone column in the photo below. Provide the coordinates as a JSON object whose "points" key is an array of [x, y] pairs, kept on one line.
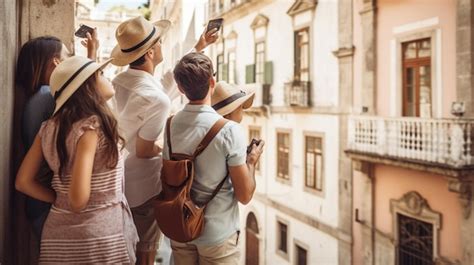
{"points": [[345, 55], [8, 44], [366, 216], [465, 188], [368, 18], [465, 54]]}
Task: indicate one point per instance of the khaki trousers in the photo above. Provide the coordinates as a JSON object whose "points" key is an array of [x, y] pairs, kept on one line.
{"points": [[227, 253]]}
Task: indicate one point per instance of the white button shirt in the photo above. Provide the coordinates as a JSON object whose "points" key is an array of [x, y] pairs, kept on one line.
{"points": [[142, 108]]}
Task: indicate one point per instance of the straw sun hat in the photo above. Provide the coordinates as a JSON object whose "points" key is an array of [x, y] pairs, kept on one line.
{"points": [[135, 36], [228, 97], [69, 75]]}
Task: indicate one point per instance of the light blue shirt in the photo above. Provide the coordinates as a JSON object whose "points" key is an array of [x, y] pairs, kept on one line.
{"points": [[228, 148]]}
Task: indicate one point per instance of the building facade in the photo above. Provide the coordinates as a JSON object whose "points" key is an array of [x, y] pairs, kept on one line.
{"points": [[287, 51], [411, 140]]}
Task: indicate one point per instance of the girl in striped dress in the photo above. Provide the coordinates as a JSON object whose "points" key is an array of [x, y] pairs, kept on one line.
{"points": [[90, 221]]}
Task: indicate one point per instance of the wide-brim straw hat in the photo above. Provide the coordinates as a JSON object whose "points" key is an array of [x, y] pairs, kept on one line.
{"points": [[135, 36], [69, 75], [228, 97]]}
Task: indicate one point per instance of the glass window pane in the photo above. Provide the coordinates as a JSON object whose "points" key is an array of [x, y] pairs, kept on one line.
{"points": [[410, 50], [424, 48], [301, 255], [425, 92]]}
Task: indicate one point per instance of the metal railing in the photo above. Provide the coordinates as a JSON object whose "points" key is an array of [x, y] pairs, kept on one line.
{"points": [[298, 93]]}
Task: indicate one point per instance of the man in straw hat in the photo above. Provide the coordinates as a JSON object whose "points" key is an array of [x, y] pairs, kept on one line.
{"points": [[230, 101], [142, 108], [224, 159]]}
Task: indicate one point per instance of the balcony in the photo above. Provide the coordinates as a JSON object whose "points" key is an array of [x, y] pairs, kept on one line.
{"points": [[443, 146], [298, 94]]}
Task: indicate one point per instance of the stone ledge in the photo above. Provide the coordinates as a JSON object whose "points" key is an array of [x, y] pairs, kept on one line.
{"points": [[306, 219], [436, 168]]}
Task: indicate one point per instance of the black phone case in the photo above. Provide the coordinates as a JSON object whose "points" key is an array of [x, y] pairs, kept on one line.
{"points": [[81, 32], [215, 23]]}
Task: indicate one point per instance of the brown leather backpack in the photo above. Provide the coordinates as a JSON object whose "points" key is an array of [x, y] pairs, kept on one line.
{"points": [[178, 216]]}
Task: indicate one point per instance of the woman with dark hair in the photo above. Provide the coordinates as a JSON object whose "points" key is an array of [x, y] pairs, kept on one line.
{"points": [[34, 104], [90, 221]]}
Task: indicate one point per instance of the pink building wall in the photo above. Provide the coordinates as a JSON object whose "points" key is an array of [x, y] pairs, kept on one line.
{"points": [[394, 182], [394, 13], [357, 249]]}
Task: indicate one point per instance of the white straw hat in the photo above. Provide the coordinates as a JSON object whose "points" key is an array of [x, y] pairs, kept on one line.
{"points": [[135, 36], [228, 97], [69, 75]]}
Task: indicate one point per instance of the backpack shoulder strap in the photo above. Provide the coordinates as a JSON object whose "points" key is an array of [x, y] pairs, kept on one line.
{"points": [[215, 129], [218, 188], [168, 135]]}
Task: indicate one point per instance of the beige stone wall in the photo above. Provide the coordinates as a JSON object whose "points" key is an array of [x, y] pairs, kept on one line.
{"points": [[20, 21], [8, 31], [48, 17]]}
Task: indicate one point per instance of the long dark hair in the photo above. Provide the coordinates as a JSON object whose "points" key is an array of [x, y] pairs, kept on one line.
{"points": [[85, 102], [33, 62]]}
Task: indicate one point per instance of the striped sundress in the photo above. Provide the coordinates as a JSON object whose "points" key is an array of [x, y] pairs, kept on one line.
{"points": [[104, 231]]}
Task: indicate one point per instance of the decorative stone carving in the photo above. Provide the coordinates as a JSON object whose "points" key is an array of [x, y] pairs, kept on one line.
{"points": [[232, 35], [463, 188], [413, 205], [259, 21], [301, 6]]}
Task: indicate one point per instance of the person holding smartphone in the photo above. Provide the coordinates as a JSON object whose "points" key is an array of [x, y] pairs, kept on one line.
{"points": [[34, 104], [142, 106]]}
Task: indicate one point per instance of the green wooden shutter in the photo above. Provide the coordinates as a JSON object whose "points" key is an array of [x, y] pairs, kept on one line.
{"points": [[250, 74], [268, 73]]}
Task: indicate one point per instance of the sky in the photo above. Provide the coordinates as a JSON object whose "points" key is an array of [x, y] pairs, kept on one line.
{"points": [[105, 5]]}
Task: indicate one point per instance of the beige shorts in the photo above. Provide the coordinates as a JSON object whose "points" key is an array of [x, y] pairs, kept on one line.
{"points": [[227, 253], [147, 227]]}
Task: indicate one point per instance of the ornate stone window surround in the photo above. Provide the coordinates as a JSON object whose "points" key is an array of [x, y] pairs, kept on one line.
{"points": [[413, 205]]}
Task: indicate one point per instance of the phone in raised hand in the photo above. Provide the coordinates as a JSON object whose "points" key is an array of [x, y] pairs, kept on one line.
{"points": [[214, 24], [82, 31], [254, 141]]}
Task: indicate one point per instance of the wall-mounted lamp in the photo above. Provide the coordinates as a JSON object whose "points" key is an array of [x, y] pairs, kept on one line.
{"points": [[458, 108]]}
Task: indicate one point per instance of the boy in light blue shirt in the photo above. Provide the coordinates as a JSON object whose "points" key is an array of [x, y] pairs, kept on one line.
{"points": [[226, 154]]}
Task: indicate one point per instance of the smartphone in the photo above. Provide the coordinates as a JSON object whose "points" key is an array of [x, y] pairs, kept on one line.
{"points": [[254, 141], [215, 24], [82, 31]]}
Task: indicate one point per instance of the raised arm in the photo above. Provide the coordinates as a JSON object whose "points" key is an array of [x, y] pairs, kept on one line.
{"points": [[25, 179]]}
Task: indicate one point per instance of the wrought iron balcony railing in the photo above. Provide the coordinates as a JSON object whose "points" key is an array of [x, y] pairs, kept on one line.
{"points": [[298, 93]]}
